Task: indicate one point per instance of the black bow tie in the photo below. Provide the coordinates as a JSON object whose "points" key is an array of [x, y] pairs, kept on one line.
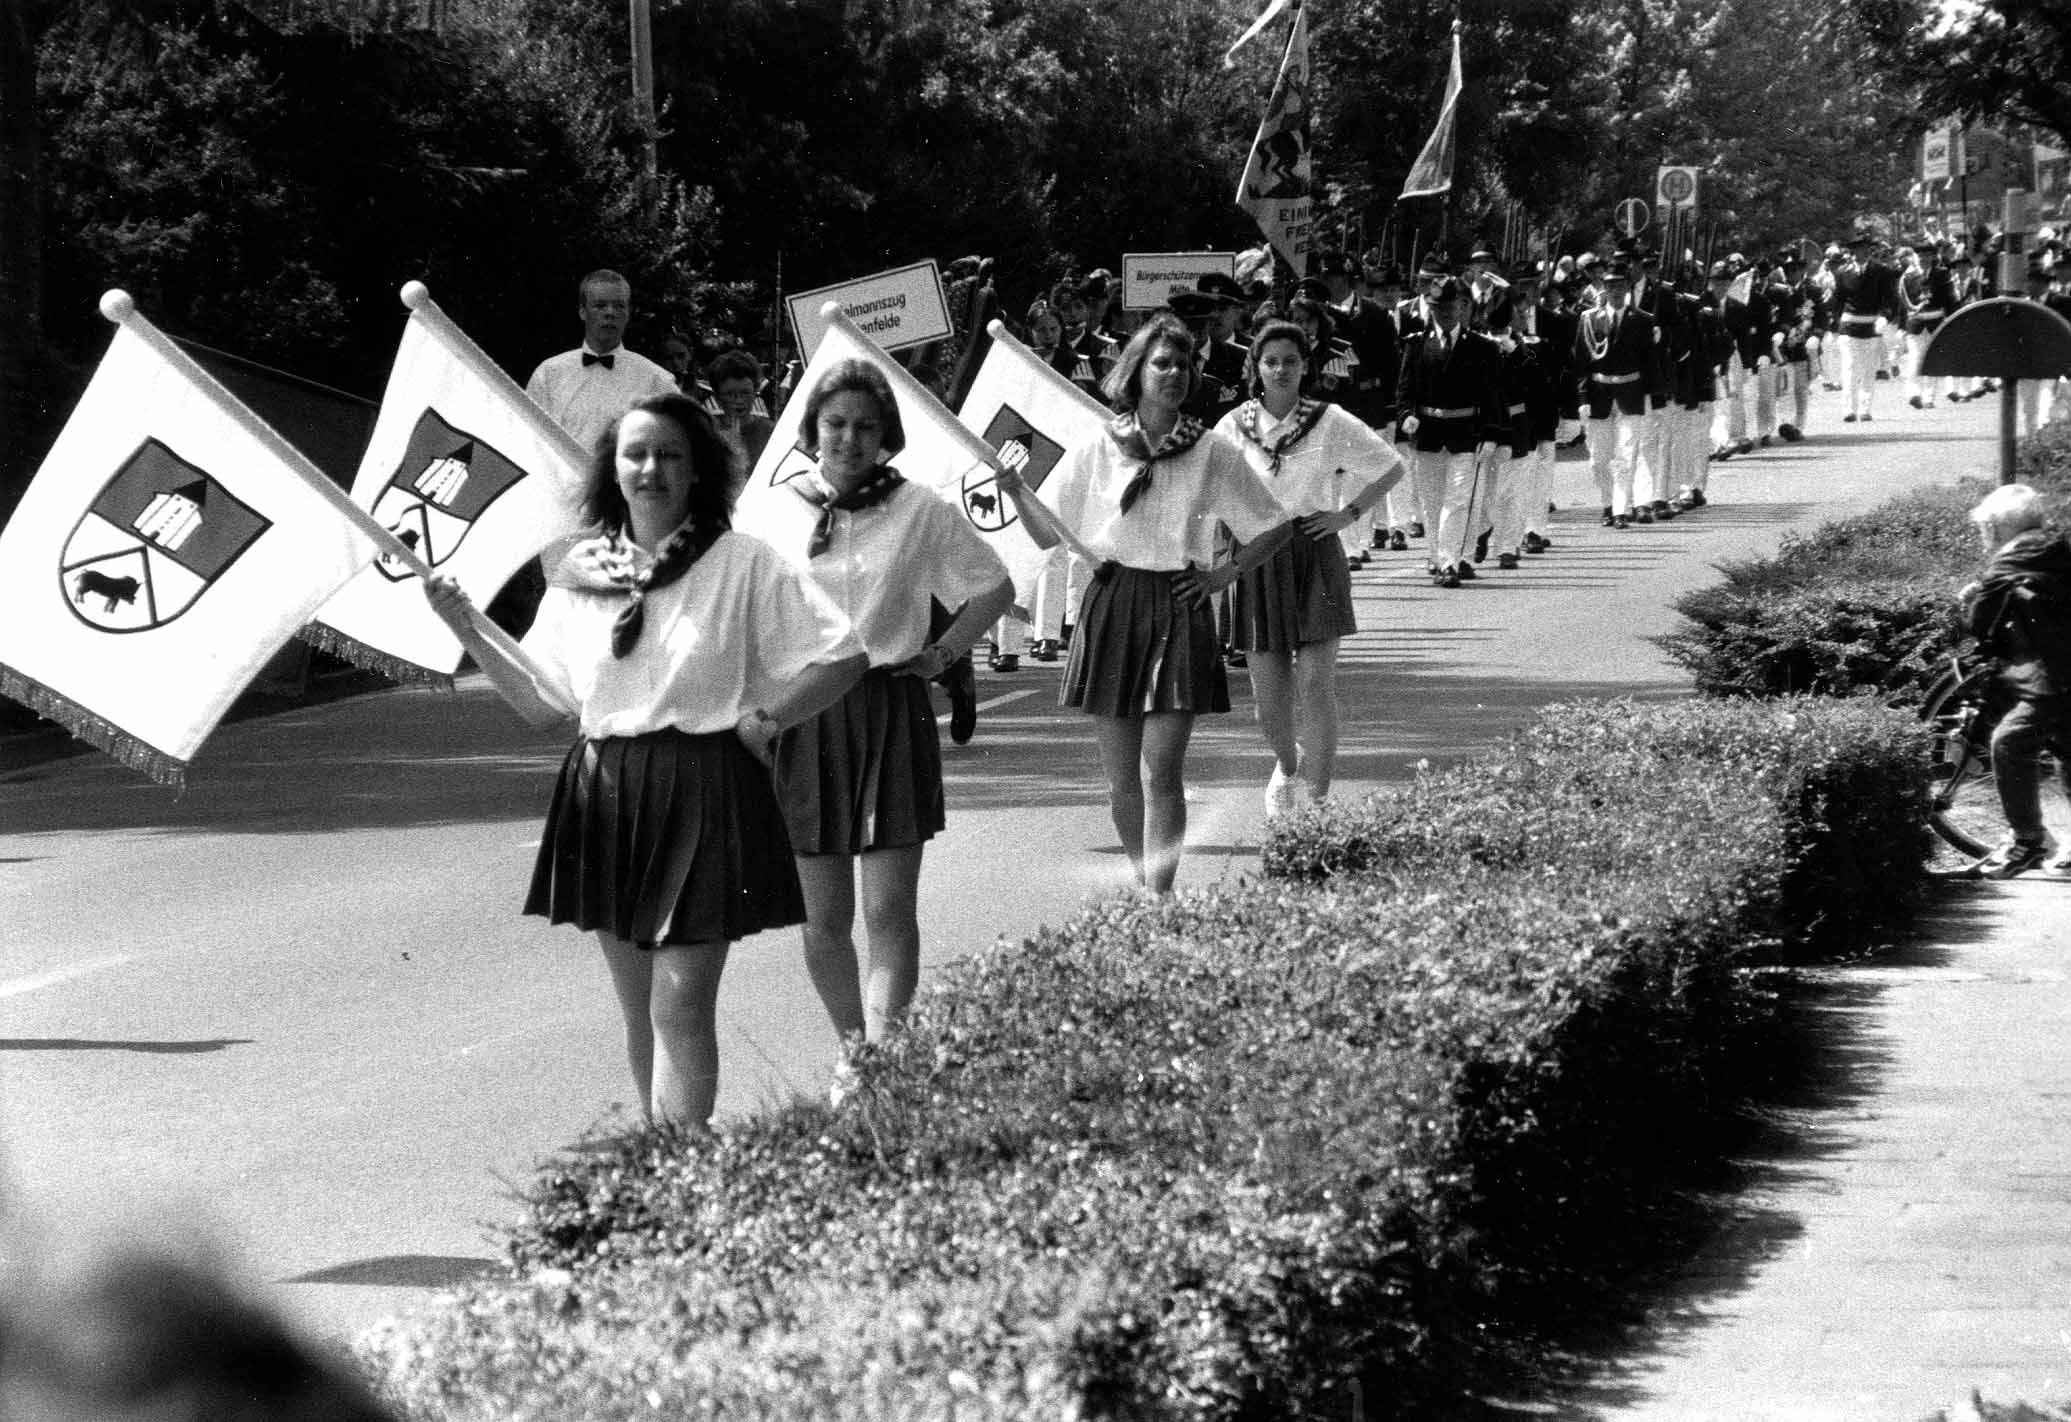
{"points": [[590, 358]]}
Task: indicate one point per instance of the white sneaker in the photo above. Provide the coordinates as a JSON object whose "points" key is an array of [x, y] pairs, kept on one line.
{"points": [[1284, 793]]}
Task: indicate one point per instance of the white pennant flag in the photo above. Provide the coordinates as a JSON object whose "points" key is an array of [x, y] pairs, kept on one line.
{"points": [[1030, 414], [1275, 187], [940, 454], [169, 545], [467, 471]]}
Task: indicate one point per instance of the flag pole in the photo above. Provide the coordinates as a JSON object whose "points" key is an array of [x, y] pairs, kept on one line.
{"points": [[417, 297], [121, 309], [1010, 343]]}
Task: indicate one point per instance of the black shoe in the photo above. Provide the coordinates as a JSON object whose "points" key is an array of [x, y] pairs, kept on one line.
{"points": [[1533, 543], [1746, 446], [1506, 560], [1623, 521], [1380, 539], [1043, 651], [1447, 579], [962, 684], [1235, 657], [1398, 541], [1849, 418], [1915, 403], [1663, 510], [1763, 441], [1005, 662], [1609, 520], [1481, 547], [1643, 514], [1416, 530], [1884, 375], [1465, 572], [1867, 418], [1791, 433]]}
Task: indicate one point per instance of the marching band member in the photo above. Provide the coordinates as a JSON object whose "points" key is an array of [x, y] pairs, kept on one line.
{"points": [[1447, 402], [1617, 366], [1936, 303], [1532, 404], [861, 782], [1866, 297], [1147, 498], [1701, 351], [1802, 311], [1329, 470], [687, 648]]}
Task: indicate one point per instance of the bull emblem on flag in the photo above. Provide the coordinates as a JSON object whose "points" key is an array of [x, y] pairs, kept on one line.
{"points": [[157, 535], [1021, 447], [445, 480]]}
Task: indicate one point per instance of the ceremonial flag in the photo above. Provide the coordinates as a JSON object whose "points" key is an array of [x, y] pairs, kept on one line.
{"points": [[1275, 185], [1433, 171], [170, 544], [942, 454], [466, 470], [1030, 415]]}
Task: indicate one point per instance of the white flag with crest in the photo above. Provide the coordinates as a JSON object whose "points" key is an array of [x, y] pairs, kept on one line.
{"points": [[169, 545], [465, 469]]}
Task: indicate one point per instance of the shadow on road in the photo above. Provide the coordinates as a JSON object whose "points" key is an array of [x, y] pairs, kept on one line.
{"points": [[405, 1271], [90, 1044]]}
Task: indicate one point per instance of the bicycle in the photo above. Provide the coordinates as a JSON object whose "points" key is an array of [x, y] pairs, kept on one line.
{"points": [[1963, 705]]}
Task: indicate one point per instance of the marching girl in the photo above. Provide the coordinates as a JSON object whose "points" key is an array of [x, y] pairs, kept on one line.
{"points": [[1143, 501], [861, 783], [685, 648], [1328, 469]]}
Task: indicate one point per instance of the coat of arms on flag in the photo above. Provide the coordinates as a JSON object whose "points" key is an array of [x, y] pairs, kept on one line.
{"points": [[159, 533], [1021, 447], [447, 477]]}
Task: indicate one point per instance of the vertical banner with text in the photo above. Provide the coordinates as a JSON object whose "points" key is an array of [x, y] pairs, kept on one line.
{"points": [[1275, 186]]}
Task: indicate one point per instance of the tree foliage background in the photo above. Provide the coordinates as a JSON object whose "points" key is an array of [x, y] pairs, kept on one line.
{"points": [[264, 174]]}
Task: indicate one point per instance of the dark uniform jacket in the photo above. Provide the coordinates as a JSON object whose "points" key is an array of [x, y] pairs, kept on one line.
{"points": [[1557, 329], [1861, 295], [1615, 362], [1221, 386], [1937, 301], [1370, 331], [1701, 347], [1453, 388], [2021, 613]]}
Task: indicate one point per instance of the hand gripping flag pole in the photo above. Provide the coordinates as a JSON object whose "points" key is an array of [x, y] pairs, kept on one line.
{"points": [[119, 308], [1041, 371]]}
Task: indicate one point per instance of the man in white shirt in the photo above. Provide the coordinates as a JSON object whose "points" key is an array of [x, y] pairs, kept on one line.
{"points": [[588, 388]]}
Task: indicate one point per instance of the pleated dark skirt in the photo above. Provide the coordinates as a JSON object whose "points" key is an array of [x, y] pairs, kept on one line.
{"points": [[866, 773], [665, 838], [1301, 594], [1136, 649]]}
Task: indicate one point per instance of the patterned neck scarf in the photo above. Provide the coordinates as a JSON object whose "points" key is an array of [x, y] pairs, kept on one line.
{"points": [[816, 491], [1302, 419], [1129, 437], [613, 565]]}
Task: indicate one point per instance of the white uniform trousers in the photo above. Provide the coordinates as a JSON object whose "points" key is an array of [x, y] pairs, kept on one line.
{"points": [[1403, 505], [1801, 393], [1762, 388], [1520, 488], [1357, 536], [2042, 402], [1650, 466], [1063, 579], [1859, 357], [1729, 412], [1446, 487], [1693, 446], [1614, 447], [1924, 388]]}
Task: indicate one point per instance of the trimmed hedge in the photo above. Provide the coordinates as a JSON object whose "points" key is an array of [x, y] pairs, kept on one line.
{"points": [[1218, 1156], [1861, 604]]}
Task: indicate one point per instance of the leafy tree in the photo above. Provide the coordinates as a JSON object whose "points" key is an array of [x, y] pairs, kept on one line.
{"points": [[1994, 59]]}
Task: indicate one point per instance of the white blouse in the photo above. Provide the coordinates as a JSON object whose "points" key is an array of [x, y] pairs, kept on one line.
{"points": [[1333, 464], [884, 562], [726, 638], [1173, 525]]}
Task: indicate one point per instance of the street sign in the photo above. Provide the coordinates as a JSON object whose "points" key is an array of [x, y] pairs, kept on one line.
{"points": [[1937, 149], [1633, 216], [1676, 185], [899, 308]]}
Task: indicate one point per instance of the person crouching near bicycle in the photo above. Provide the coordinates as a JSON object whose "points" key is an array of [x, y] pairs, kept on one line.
{"points": [[2020, 612]]}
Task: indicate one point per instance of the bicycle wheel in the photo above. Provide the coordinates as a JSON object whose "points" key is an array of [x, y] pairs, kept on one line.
{"points": [[1963, 708]]}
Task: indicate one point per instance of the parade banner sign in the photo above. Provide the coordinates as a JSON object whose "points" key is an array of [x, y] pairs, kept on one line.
{"points": [[1030, 415], [1275, 188], [1152, 279], [466, 470], [1937, 154], [169, 545], [895, 309], [1432, 173]]}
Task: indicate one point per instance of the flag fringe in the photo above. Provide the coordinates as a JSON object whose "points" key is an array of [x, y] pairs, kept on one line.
{"points": [[95, 730], [326, 638]]}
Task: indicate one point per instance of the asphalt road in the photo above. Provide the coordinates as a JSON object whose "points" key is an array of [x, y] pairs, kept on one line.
{"points": [[296, 1007]]}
